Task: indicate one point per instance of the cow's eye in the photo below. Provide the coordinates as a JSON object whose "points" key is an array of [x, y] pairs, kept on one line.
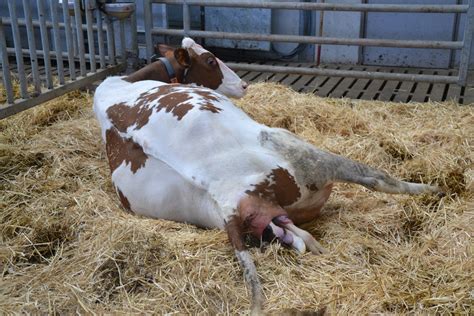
{"points": [[211, 61]]}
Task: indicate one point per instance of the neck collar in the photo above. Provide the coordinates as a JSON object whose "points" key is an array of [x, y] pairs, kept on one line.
{"points": [[170, 71]]}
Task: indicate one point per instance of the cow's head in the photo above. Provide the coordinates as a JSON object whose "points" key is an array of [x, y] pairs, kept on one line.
{"points": [[205, 69]]}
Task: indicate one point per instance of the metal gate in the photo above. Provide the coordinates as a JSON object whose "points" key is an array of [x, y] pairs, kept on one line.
{"points": [[464, 45], [71, 52]]}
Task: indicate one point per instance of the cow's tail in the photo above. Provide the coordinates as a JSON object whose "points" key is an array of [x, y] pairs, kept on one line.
{"points": [[235, 232]]}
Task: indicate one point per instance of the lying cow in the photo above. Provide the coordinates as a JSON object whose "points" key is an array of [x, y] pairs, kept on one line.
{"points": [[186, 153]]}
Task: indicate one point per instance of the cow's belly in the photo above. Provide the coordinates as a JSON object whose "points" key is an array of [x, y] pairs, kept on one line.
{"points": [[158, 191], [307, 210]]}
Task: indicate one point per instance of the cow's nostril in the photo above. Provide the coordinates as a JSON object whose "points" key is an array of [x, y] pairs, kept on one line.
{"points": [[244, 85]]}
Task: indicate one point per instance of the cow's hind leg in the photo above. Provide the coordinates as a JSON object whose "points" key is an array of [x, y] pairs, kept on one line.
{"points": [[378, 180]]}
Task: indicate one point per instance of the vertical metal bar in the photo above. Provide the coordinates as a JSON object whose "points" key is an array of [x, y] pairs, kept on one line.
{"points": [[80, 37], [123, 53], [100, 38], [18, 53], [110, 40], [45, 43], [7, 80], [133, 30], [53, 4], [320, 34], [466, 50], [186, 18], [32, 45], [74, 37], [69, 40], [90, 35], [454, 36], [148, 26]]}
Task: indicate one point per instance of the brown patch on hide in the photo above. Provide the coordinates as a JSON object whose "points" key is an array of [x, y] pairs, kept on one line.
{"points": [[206, 104], [124, 201], [208, 95], [235, 232], [279, 186], [176, 103], [210, 107], [123, 116], [121, 149]]}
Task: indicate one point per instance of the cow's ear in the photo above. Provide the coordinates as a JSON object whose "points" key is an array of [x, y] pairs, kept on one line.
{"points": [[182, 56], [162, 49]]}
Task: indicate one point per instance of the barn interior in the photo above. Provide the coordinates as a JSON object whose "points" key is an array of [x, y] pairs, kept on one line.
{"points": [[67, 245]]}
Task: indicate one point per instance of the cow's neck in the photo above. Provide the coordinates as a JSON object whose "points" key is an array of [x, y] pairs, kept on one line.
{"points": [[157, 71]]}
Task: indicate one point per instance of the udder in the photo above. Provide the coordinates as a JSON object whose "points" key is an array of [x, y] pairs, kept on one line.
{"points": [[309, 213]]}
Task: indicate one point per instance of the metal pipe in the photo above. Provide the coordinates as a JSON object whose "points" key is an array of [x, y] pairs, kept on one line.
{"points": [[123, 51], [90, 34], [74, 37], [148, 29], [344, 73], [454, 36], [110, 40], [49, 25], [19, 56], [53, 4], [69, 40], [21, 105], [7, 80], [45, 43], [466, 51], [26, 52], [32, 46], [186, 18], [80, 37], [134, 32], [100, 38], [312, 39], [323, 6]]}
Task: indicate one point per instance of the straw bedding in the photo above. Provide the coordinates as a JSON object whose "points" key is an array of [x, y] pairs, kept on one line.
{"points": [[67, 245]]}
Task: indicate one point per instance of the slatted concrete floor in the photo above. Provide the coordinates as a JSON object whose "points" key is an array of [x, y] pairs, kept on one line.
{"points": [[368, 89]]}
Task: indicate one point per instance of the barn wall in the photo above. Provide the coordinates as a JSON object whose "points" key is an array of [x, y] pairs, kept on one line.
{"points": [[412, 26], [341, 24], [336, 24]]}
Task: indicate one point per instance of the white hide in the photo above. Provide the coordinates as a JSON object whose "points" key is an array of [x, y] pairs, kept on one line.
{"points": [[198, 167]]}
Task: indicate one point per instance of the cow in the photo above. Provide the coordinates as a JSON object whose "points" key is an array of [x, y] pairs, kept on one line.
{"points": [[184, 152]]}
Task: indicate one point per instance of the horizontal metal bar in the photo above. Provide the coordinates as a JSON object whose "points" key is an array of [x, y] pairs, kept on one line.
{"points": [[26, 52], [49, 25], [324, 6], [312, 39], [344, 73], [21, 104]]}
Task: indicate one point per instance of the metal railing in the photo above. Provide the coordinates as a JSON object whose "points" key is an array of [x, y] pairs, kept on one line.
{"points": [[464, 46], [92, 65]]}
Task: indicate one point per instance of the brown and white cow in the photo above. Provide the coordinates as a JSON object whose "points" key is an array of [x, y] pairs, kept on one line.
{"points": [[186, 153]]}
